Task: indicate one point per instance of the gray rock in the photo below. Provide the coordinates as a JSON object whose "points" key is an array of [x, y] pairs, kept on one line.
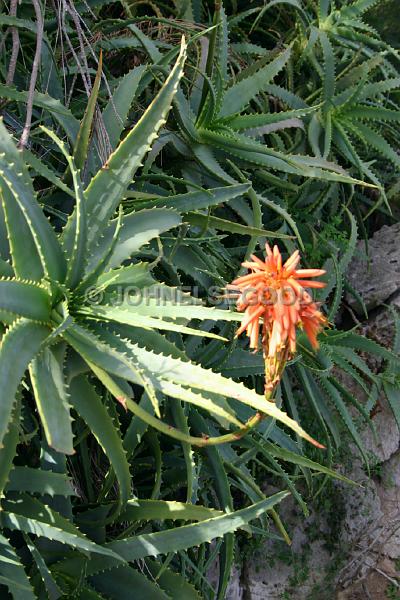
{"points": [[387, 439], [377, 277], [278, 571], [389, 492], [380, 327], [234, 590], [362, 507], [368, 531]]}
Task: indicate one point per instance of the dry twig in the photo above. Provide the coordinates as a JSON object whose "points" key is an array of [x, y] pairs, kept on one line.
{"points": [[35, 69], [15, 45]]}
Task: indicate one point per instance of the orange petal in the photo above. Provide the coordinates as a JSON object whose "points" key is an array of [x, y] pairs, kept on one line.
{"points": [[312, 284], [251, 265], [257, 260], [248, 317], [309, 272], [246, 278], [296, 285], [254, 334], [293, 260]]}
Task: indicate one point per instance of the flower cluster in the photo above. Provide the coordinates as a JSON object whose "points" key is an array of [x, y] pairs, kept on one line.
{"points": [[275, 302]]}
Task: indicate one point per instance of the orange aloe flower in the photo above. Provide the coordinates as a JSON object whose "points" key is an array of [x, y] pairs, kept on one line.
{"points": [[275, 302]]}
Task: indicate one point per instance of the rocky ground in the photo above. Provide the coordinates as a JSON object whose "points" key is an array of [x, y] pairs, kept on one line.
{"points": [[348, 548]]}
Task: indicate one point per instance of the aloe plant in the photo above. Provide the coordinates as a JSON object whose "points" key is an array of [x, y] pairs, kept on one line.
{"points": [[53, 327], [113, 472]]}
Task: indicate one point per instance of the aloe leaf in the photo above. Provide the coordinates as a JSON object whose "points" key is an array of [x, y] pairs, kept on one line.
{"points": [[240, 94], [323, 9], [86, 592], [37, 481], [16, 176], [191, 535], [298, 459], [379, 87], [200, 199], [137, 275], [224, 495], [55, 462], [255, 153], [212, 222], [25, 258], [314, 133], [295, 3], [11, 21], [253, 121], [377, 141], [107, 188], [90, 407], [286, 96], [147, 43], [191, 375], [283, 213], [6, 269], [172, 583], [9, 449], [118, 584], [205, 156], [131, 362], [164, 302], [12, 572], [160, 510], [76, 250], [32, 516], [185, 116], [340, 267], [116, 356], [137, 229], [116, 112], [351, 399], [57, 110], [23, 299], [393, 397], [85, 130], [137, 510], [311, 393], [222, 49], [52, 588], [179, 414], [136, 429], [249, 49], [242, 363], [44, 171], [18, 347], [376, 113], [277, 468], [100, 261], [336, 398], [52, 399], [93, 350], [329, 69], [125, 314], [180, 538], [359, 342], [356, 8], [173, 432]]}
